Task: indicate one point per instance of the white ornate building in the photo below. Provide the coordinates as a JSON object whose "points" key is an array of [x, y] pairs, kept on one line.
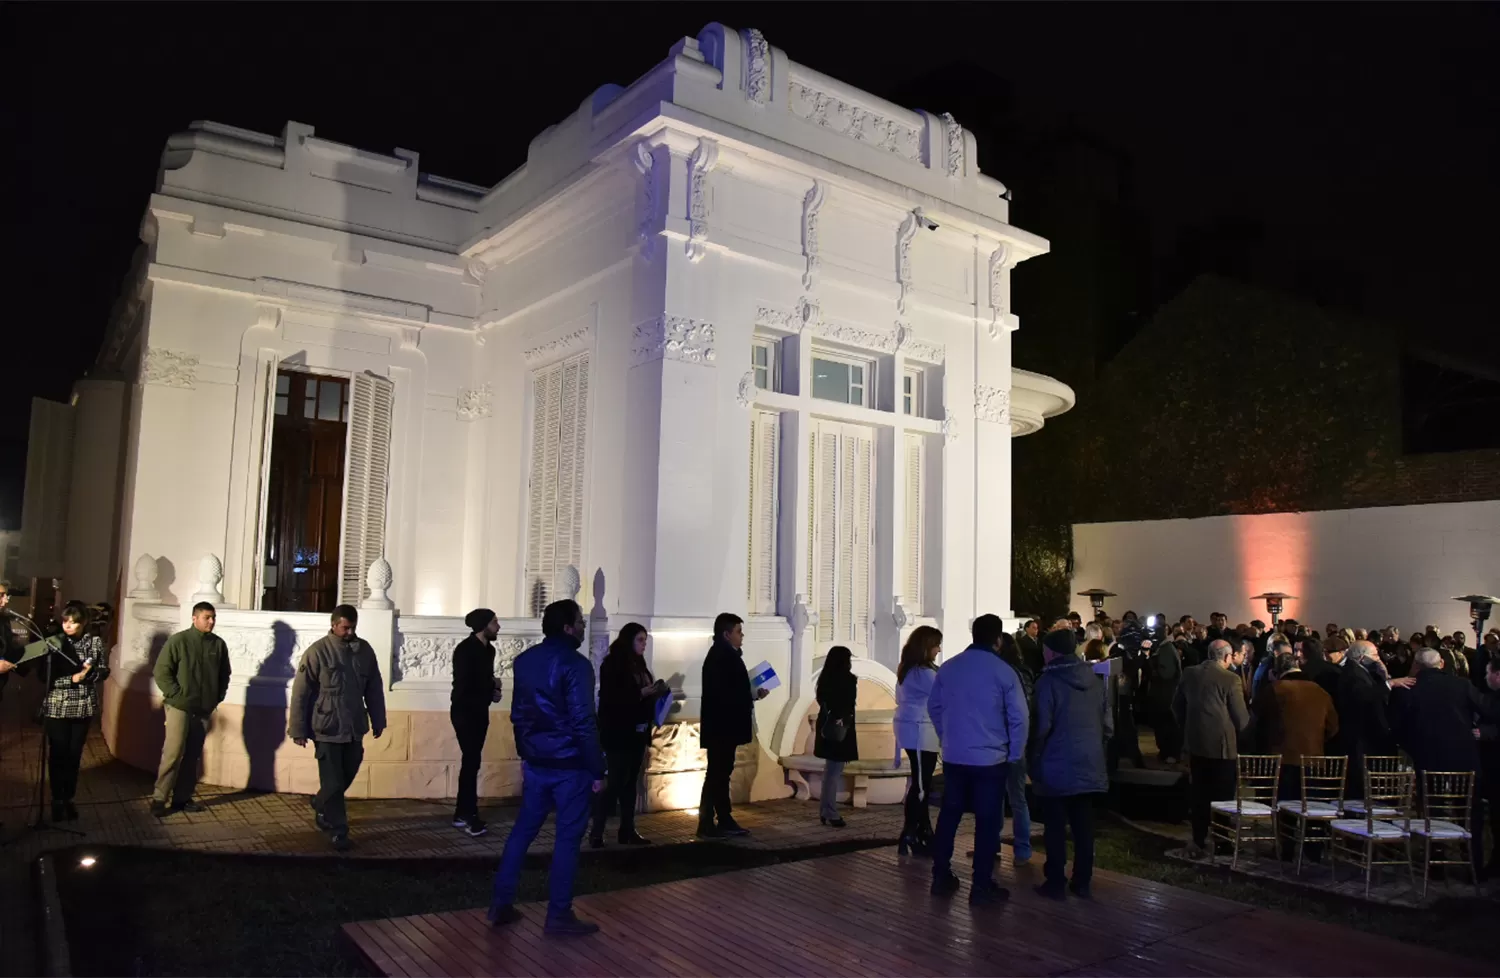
{"points": [[735, 338]]}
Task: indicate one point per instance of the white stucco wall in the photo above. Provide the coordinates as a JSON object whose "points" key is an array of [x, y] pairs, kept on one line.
{"points": [[1393, 565]]}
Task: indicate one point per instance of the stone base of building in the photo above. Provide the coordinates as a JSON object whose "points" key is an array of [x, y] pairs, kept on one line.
{"points": [[415, 757]]}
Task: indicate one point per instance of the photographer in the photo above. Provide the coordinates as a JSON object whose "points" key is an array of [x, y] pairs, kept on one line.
{"points": [[71, 705]]}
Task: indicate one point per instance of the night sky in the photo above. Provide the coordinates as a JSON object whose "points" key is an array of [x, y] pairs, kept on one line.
{"points": [[1347, 152]]}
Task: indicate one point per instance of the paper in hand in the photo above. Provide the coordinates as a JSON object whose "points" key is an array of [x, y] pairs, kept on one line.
{"points": [[764, 677]]}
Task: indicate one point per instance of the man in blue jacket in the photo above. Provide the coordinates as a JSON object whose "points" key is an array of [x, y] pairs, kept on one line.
{"points": [[979, 711], [562, 764]]}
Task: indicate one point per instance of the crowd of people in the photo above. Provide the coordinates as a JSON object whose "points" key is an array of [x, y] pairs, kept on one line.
{"points": [[1212, 692]]}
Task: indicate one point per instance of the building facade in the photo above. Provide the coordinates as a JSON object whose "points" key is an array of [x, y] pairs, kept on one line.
{"points": [[735, 338]]}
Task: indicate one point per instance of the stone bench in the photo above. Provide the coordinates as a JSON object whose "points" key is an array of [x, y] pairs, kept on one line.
{"points": [[866, 781]]}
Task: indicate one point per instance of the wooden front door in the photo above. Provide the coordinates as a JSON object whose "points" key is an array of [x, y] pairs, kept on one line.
{"points": [[305, 509]]}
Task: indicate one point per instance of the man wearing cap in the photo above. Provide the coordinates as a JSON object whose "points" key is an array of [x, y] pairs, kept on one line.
{"points": [[475, 688]]}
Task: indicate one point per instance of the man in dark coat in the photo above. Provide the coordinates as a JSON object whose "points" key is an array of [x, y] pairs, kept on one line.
{"points": [[562, 765], [1434, 716], [1210, 708], [726, 722], [1067, 759], [1364, 727], [1489, 761], [475, 688], [1031, 646], [1165, 670]]}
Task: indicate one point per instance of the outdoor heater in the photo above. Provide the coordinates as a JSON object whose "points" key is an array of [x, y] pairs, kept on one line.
{"points": [[1096, 596], [1273, 600], [1479, 612]]}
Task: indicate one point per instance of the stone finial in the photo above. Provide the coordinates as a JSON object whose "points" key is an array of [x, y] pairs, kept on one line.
{"points": [[145, 572], [378, 579], [210, 575], [572, 583]]}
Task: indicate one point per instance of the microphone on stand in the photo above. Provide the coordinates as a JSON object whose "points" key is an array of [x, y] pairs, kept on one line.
{"points": [[27, 622]]}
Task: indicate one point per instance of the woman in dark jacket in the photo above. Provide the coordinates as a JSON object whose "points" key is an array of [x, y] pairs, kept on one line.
{"points": [[71, 705], [835, 742], [1071, 728], [627, 713]]}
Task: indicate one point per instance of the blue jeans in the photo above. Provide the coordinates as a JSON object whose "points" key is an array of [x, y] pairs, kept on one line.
{"points": [[1020, 814], [970, 788], [570, 793]]}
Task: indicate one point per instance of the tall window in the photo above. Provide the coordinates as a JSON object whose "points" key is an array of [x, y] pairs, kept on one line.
{"points": [[911, 392], [765, 445], [843, 482], [764, 363], [554, 533]]}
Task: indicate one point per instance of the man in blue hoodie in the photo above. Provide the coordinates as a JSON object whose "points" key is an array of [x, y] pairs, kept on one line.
{"points": [[562, 764], [978, 708]]}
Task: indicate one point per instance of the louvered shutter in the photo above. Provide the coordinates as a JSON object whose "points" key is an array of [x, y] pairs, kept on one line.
{"points": [[911, 588], [765, 432], [861, 546], [554, 536], [826, 507], [371, 400], [269, 393]]}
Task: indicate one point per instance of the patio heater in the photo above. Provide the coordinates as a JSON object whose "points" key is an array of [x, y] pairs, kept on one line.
{"points": [[1096, 596], [1273, 600], [1479, 612]]}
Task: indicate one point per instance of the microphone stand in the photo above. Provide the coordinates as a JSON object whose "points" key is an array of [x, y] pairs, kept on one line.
{"points": [[41, 824]]}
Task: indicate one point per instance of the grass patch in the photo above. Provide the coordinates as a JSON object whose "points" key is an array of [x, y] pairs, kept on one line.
{"points": [[172, 912], [1458, 925]]}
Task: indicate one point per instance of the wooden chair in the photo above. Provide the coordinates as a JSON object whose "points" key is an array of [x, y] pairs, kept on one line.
{"points": [[1356, 839], [1322, 800], [1446, 797], [1378, 764], [1256, 777]]}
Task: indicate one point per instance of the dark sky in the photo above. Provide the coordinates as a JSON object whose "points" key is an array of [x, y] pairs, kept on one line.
{"points": [[1348, 143]]}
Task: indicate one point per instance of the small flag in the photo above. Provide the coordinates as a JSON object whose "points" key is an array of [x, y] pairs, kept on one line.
{"points": [[764, 677]]}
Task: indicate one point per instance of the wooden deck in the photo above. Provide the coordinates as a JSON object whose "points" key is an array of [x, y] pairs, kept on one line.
{"points": [[869, 913]]}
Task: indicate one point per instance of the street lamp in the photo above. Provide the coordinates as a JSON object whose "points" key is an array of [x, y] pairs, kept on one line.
{"points": [[1479, 611], [1096, 596], [1273, 600]]}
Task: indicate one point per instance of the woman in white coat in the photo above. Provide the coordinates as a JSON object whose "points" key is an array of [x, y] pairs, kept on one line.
{"points": [[915, 733]]}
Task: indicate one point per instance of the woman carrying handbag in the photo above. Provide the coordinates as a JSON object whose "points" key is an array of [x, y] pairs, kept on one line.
{"points": [[835, 742]]}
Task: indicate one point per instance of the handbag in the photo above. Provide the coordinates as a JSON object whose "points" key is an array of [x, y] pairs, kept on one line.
{"points": [[834, 730]]}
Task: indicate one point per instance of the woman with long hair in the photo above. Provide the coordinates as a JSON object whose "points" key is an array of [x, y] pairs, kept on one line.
{"points": [[835, 741], [1015, 784], [71, 705], [915, 733], [627, 713]]}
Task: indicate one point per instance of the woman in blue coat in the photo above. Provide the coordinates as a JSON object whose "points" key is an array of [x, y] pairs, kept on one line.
{"points": [[1067, 760]]}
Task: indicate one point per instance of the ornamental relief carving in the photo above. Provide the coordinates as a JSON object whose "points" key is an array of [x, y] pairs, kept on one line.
{"points": [[646, 230], [810, 207], [474, 402], [955, 134], [555, 347], [426, 656], [991, 404], [675, 338], [699, 166], [858, 124], [757, 67], [903, 259], [169, 368]]}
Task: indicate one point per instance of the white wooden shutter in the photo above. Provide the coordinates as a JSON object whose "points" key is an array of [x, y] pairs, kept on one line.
{"points": [[825, 505], [269, 394], [366, 474], [765, 441], [911, 588], [862, 474], [554, 539]]}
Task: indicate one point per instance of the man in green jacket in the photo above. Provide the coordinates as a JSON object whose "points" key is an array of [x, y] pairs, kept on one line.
{"points": [[338, 683], [192, 673]]}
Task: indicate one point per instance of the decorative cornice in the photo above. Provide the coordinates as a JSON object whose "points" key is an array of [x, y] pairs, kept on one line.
{"points": [[474, 402], [757, 67], [810, 207], [991, 404], [675, 338], [1000, 318], [699, 166], [169, 368], [809, 319], [955, 134], [856, 123], [918, 349], [552, 348]]}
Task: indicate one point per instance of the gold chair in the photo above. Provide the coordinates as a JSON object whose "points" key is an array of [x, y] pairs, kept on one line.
{"points": [[1256, 777], [1322, 800], [1356, 839], [1446, 800], [1378, 764]]}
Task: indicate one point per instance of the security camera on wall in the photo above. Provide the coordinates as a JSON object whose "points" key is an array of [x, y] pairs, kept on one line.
{"points": [[924, 220]]}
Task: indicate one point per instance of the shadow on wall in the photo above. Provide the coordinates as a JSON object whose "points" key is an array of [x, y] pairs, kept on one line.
{"points": [[166, 576], [265, 721]]}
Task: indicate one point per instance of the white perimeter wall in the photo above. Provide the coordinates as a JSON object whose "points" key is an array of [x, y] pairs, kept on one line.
{"points": [[1392, 565]]}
